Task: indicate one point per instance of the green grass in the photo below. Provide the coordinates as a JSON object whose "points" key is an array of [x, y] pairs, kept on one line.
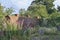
{"points": [[11, 32]]}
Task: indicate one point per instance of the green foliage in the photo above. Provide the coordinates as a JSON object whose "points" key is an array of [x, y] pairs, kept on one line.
{"points": [[38, 10], [22, 12], [47, 3], [54, 18], [9, 11], [1, 11]]}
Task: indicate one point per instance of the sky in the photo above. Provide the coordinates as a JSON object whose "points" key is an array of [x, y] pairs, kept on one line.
{"points": [[57, 3], [18, 4]]}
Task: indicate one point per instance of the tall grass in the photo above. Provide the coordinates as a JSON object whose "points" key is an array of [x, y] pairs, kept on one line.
{"points": [[11, 32]]}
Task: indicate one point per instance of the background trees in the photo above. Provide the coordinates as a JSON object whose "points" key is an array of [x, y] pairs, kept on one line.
{"points": [[42, 8], [45, 9]]}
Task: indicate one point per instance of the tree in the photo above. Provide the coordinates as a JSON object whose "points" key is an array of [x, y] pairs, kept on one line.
{"points": [[58, 7], [1, 14], [45, 9], [22, 12], [38, 10], [54, 18], [9, 11], [47, 3], [27, 13], [1, 10]]}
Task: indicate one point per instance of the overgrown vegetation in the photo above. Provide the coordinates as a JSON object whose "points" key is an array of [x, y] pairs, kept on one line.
{"points": [[48, 29]]}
